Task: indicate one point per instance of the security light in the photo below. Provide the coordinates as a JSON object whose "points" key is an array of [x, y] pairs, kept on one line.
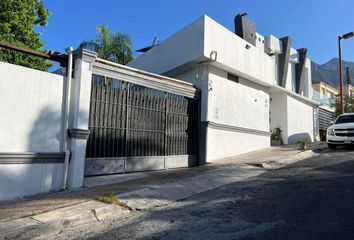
{"points": [[348, 35], [270, 52]]}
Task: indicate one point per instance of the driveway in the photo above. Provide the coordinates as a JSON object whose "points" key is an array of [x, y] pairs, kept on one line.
{"points": [[311, 199]]}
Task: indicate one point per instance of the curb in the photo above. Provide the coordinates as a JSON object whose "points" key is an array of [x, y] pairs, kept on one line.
{"points": [[61, 221]]}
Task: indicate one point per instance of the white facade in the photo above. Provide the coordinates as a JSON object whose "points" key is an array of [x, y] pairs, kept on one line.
{"points": [[238, 115]]}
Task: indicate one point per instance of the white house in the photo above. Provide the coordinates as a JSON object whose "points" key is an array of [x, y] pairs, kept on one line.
{"points": [[249, 84]]}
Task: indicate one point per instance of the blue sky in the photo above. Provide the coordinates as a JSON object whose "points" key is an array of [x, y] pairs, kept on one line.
{"points": [[314, 24]]}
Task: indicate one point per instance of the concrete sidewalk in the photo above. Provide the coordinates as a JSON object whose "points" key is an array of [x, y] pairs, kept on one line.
{"points": [[142, 191]]}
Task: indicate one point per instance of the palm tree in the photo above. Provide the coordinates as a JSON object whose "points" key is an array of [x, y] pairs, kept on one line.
{"points": [[109, 45]]}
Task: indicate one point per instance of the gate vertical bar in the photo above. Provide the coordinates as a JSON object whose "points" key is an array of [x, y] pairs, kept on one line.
{"points": [[165, 140], [127, 121]]}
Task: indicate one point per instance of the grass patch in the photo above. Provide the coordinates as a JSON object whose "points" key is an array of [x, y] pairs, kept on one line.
{"points": [[111, 198]]}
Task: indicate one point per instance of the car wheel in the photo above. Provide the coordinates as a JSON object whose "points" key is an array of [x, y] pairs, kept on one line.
{"points": [[331, 146]]}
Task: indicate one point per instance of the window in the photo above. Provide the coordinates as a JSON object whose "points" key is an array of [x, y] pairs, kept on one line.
{"points": [[232, 77], [345, 119]]}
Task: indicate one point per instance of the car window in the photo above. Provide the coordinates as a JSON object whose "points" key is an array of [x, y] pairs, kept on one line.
{"points": [[345, 119]]}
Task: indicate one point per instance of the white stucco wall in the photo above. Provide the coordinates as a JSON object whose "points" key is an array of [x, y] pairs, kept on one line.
{"points": [[301, 121], [181, 48], [296, 117], [199, 77], [252, 63], [31, 114], [278, 113], [242, 105], [30, 110], [237, 104], [19, 180], [225, 143]]}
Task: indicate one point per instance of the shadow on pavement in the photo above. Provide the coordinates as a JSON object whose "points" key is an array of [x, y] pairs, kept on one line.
{"points": [[311, 204]]}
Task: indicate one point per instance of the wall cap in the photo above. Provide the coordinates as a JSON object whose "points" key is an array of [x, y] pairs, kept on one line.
{"points": [[85, 55]]}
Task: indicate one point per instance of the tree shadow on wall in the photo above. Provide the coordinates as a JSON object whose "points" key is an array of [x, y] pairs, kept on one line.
{"points": [[46, 132]]}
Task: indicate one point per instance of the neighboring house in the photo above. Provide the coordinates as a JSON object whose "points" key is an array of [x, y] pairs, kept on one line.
{"points": [[325, 90], [249, 84], [325, 94]]}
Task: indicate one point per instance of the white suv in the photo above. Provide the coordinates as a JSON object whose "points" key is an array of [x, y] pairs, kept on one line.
{"points": [[342, 131]]}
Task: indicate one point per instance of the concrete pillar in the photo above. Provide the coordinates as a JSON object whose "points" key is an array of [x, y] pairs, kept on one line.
{"points": [[79, 115], [205, 100]]}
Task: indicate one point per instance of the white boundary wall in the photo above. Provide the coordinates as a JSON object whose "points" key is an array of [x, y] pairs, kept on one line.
{"points": [[31, 106], [297, 118], [20, 180], [302, 121], [30, 122]]}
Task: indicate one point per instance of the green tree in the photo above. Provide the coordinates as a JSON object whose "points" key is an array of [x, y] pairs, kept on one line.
{"points": [[17, 21], [109, 45], [348, 105]]}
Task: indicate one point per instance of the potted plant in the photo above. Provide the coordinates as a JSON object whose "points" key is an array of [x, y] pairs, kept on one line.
{"points": [[276, 138]]}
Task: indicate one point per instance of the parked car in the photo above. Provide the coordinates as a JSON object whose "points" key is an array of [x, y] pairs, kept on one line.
{"points": [[341, 132]]}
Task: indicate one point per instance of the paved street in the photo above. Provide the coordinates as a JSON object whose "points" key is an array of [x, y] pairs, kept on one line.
{"points": [[311, 199]]}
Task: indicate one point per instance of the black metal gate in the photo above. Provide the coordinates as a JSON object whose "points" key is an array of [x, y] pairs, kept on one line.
{"points": [[131, 124]]}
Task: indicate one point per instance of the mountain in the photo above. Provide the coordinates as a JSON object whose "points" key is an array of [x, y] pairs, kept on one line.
{"points": [[329, 73]]}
